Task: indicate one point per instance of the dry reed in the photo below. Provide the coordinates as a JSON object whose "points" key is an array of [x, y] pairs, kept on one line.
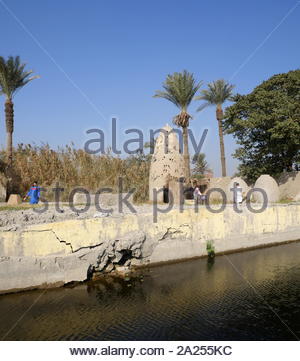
{"points": [[71, 167]]}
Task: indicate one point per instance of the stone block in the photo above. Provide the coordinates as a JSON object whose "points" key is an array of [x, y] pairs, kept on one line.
{"points": [[269, 186], [14, 200]]}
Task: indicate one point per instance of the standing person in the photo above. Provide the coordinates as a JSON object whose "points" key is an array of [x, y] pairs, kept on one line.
{"points": [[203, 195], [238, 194], [33, 194], [197, 193]]}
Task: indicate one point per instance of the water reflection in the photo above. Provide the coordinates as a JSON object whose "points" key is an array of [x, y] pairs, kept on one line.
{"points": [[195, 300], [210, 263]]}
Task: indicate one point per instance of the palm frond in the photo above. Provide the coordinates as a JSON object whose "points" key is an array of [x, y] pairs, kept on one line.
{"points": [[13, 75], [217, 93], [179, 89], [203, 106]]}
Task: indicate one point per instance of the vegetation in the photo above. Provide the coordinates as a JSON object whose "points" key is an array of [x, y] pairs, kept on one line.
{"points": [[20, 207], [13, 77], [217, 93], [285, 201], [74, 167], [200, 165], [210, 249], [180, 89], [266, 124]]}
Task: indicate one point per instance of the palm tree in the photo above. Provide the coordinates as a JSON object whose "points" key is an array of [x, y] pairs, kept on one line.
{"points": [[200, 164], [12, 78], [180, 89], [217, 93]]}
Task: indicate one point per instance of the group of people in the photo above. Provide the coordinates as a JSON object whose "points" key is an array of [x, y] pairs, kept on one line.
{"points": [[200, 197]]}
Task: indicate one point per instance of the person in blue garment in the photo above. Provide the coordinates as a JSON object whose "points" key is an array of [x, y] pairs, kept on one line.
{"points": [[33, 194]]}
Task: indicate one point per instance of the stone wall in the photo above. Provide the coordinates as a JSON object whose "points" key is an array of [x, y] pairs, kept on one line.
{"points": [[105, 200], [222, 183], [58, 253]]}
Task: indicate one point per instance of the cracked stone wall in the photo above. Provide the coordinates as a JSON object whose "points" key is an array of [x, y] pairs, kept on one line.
{"points": [[72, 250]]}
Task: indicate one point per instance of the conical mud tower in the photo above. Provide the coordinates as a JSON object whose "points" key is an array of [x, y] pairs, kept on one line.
{"points": [[167, 163]]}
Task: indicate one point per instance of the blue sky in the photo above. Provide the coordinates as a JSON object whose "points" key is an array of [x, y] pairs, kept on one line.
{"points": [[99, 59]]}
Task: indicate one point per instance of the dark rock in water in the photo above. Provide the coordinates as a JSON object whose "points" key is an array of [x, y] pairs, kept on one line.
{"points": [[109, 268]]}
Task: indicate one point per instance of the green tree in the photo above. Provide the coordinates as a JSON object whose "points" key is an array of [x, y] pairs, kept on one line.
{"points": [[200, 165], [217, 93], [12, 78], [266, 124], [180, 89]]}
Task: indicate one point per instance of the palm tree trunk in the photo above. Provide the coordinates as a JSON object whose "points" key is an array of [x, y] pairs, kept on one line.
{"points": [[219, 115], [9, 119], [186, 154]]}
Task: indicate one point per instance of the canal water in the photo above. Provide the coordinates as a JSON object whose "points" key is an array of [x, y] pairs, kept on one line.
{"points": [[253, 295]]}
